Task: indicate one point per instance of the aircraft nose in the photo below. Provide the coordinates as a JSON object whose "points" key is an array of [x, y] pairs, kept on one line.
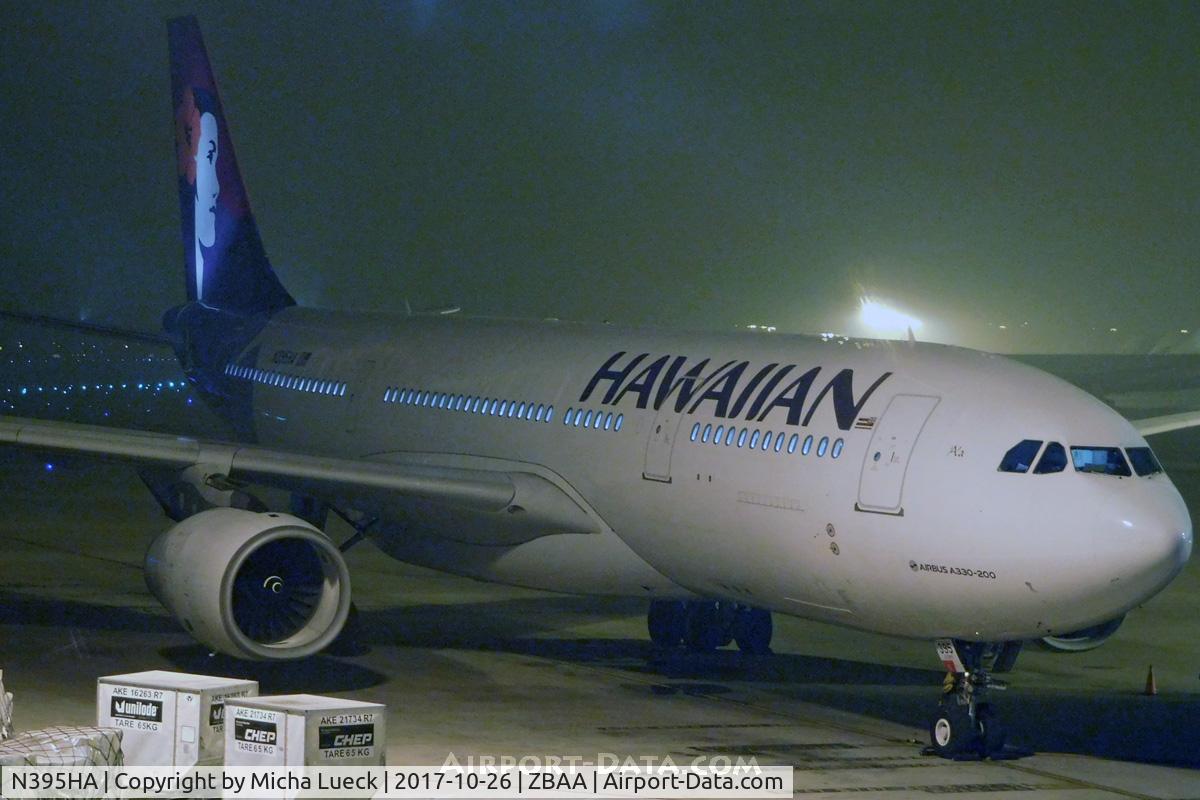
{"points": [[1159, 531]]}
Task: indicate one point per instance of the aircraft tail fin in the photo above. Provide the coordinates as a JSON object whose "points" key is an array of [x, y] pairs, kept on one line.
{"points": [[227, 267]]}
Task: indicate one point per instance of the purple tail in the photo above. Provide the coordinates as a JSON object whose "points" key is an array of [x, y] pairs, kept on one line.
{"points": [[227, 267]]}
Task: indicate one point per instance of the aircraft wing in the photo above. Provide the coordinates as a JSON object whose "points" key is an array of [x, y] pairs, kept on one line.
{"points": [[44, 321], [1169, 422], [486, 506]]}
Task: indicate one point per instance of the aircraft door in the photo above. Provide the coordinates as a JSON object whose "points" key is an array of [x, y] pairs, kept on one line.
{"points": [[660, 444], [881, 484], [358, 413]]}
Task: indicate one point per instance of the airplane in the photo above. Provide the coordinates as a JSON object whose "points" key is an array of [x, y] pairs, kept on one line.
{"points": [[908, 488]]}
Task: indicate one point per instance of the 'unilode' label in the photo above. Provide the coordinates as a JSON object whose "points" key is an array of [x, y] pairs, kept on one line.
{"points": [[135, 708], [255, 731]]}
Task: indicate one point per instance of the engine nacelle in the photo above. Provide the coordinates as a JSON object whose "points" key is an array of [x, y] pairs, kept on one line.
{"points": [[1083, 639], [251, 585]]}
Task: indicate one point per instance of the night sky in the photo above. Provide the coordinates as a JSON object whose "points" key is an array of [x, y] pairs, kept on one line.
{"points": [[705, 165]]}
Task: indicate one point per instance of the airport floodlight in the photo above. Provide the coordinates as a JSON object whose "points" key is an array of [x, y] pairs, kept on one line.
{"points": [[886, 320]]}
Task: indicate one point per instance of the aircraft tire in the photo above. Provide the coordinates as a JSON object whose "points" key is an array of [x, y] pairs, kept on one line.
{"points": [[992, 733], [951, 731]]}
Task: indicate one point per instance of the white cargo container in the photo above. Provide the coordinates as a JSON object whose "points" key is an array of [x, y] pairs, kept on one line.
{"points": [[169, 719], [297, 730]]}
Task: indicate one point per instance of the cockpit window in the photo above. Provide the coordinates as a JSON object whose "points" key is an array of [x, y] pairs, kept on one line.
{"points": [[1020, 457], [1053, 460], [1105, 460], [1143, 460]]}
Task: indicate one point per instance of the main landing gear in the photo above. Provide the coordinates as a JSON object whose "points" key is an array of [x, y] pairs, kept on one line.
{"points": [[965, 724], [705, 625]]}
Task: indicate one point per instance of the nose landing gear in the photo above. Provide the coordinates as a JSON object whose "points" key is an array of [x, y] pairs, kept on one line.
{"points": [[704, 625], [965, 724]]}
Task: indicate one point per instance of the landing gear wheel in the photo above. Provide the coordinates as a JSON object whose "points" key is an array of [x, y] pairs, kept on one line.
{"points": [[965, 723], [952, 732], [667, 622], [992, 734], [708, 626], [753, 631]]}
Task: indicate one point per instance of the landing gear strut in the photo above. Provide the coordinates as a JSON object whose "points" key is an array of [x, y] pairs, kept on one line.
{"points": [[965, 724], [704, 625]]}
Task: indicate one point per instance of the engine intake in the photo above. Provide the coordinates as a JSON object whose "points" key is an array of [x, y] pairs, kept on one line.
{"points": [[1084, 639], [253, 585]]}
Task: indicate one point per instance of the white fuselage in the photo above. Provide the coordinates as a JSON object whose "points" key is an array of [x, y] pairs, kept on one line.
{"points": [[911, 529]]}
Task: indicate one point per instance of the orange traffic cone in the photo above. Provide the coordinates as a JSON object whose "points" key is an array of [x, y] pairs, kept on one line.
{"points": [[1151, 686]]}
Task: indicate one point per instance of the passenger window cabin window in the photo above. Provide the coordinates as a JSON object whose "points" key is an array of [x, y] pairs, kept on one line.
{"points": [[550, 416], [707, 432], [822, 446], [807, 448], [1054, 459], [754, 438], [729, 437], [837, 448], [619, 422], [767, 440], [779, 443], [792, 442], [1104, 460], [719, 434], [1020, 456], [1143, 460], [742, 437]]}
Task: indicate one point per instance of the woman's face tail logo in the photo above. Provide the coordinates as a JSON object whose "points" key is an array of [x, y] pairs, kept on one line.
{"points": [[207, 187], [197, 139]]}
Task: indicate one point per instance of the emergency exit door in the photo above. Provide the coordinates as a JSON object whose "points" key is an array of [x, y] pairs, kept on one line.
{"points": [[881, 484]]}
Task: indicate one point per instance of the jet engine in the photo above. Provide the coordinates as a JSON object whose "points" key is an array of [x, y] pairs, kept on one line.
{"points": [[253, 585], [1084, 638]]}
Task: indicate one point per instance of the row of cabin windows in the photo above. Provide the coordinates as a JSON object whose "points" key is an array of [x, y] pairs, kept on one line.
{"points": [[597, 420], [533, 412], [756, 439], [1103, 460], [285, 381]]}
